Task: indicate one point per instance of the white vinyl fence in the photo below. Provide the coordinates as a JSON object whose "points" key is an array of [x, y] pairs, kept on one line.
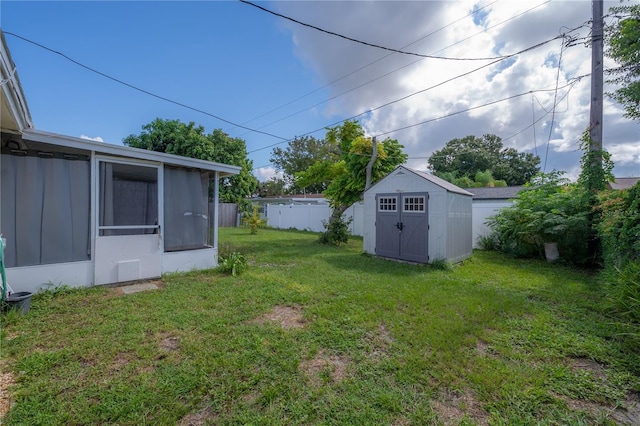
{"points": [[309, 217]]}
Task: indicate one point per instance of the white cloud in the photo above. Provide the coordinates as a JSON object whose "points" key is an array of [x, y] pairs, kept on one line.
{"points": [[266, 173], [96, 139], [509, 27]]}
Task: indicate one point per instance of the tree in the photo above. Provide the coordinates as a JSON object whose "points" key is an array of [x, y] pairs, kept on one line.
{"points": [[300, 154], [346, 169], [272, 187], [623, 40], [464, 158], [190, 140]]}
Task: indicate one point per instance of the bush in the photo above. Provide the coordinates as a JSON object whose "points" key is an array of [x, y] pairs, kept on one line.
{"points": [[622, 288], [550, 210], [337, 231], [619, 226]]}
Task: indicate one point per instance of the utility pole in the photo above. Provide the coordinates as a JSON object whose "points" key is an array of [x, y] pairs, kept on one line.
{"points": [[597, 69]]}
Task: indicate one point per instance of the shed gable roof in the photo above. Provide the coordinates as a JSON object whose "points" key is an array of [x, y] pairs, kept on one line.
{"points": [[448, 186]]}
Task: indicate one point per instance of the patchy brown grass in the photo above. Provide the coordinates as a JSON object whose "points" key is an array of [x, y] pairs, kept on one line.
{"points": [[335, 364], [380, 341], [202, 417], [452, 407], [6, 381], [288, 317], [169, 343]]}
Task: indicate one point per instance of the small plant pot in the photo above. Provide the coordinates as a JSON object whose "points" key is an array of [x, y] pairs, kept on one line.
{"points": [[20, 301], [551, 252]]}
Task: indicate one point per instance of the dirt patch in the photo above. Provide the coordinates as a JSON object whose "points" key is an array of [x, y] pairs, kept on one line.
{"points": [[135, 287], [452, 407], [169, 343], [582, 364], [626, 414], [202, 417], [335, 365], [288, 317], [6, 380], [121, 361]]}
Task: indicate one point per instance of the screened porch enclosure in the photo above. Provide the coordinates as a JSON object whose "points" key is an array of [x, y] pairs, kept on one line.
{"points": [[47, 215], [45, 207]]}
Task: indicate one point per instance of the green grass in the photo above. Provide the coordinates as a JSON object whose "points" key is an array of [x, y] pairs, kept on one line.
{"points": [[491, 341]]}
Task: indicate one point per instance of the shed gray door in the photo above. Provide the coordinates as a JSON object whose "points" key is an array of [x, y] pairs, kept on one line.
{"points": [[402, 226]]}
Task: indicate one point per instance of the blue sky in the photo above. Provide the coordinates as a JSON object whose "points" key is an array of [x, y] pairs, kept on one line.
{"points": [[237, 62]]}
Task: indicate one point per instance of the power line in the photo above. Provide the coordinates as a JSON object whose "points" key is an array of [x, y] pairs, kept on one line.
{"points": [[415, 93], [146, 92], [368, 65], [393, 71], [377, 46], [469, 109], [553, 110]]}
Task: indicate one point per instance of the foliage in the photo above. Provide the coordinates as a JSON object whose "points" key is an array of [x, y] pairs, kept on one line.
{"points": [[495, 341], [480, 180], [619, 225], [622, 45], [190, 140], [254, 220], [619, 230], [441, 265], [347, 173], [622, 289], [234, 264], [337, 231], [273, 187], [300, 154], [465, 157], [553, 210], [549, 210]]}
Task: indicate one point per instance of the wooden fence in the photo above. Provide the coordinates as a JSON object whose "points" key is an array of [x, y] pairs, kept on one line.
{"points": [[227, 214]]}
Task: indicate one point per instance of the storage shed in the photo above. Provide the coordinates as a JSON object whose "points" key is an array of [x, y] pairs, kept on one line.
{"points": [[78, 212], [415, 216]]}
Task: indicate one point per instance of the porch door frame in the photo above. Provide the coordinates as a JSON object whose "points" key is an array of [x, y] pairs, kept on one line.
{"points": [[122, 258]]}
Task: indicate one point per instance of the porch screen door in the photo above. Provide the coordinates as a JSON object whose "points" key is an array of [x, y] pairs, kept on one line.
{"points": [[129, 234]]}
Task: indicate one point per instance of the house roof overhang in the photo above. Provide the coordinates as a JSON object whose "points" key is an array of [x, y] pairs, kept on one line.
{"points": [[14, 112], [127, 152]]}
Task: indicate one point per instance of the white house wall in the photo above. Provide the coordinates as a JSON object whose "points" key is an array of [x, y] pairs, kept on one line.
{"points": [[185, 261], [34, 278], [482, 209]]}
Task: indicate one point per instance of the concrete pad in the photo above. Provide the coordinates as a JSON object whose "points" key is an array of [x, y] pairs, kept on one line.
{"points": [[137, 288]]}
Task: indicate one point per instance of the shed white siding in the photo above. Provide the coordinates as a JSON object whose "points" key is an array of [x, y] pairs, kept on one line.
{"points": [[449, 213]]}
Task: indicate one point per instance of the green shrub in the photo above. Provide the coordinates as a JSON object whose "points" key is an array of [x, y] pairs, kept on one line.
{"points": [[234, 264], [550, 210], [619, 226], [337, 231], [622, 288], [254, 220]]}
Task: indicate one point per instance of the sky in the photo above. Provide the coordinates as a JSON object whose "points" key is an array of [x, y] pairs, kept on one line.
{"points": [[229, 63]]}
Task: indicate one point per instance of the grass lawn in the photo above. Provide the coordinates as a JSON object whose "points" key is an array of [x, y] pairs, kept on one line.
{"points": [[311, 334]]}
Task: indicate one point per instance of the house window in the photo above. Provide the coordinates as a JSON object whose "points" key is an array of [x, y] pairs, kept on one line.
{"points": [[413, 204], [387, 204]]}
